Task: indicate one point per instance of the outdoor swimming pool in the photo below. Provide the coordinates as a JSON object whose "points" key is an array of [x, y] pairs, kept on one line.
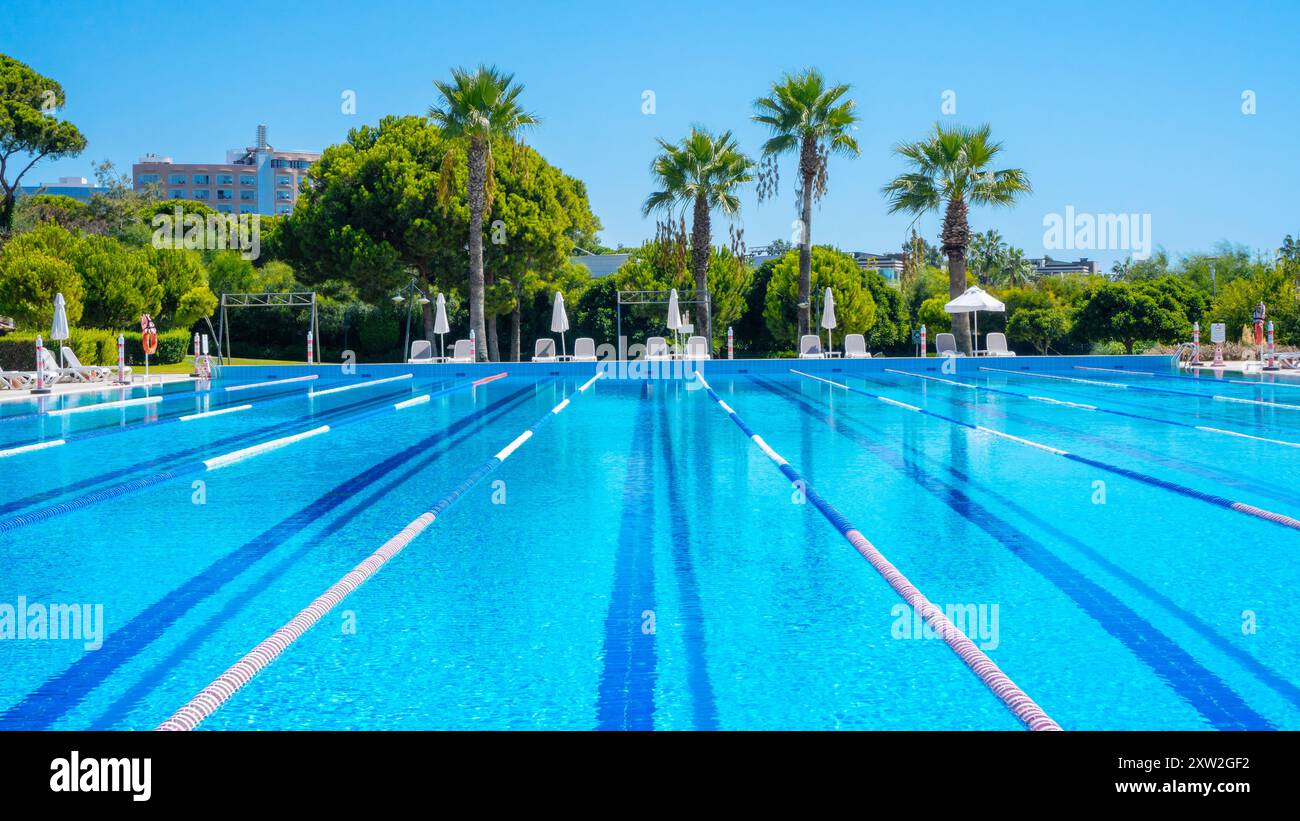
{"points": [[640, 563]]}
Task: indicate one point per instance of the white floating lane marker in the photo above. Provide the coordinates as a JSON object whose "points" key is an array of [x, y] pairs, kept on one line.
{"points": [[256, 450], [1080, 405], [819, 379], [1061, 378], [935, 379], [207, 414], [366, 384], [54, 443], [272, 382], [1112, 370], [121, 403], [410, 403], [1029, 442], [1248, 436], [1288, 406]]}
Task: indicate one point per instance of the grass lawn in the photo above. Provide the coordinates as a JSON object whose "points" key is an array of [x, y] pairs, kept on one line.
{"points": [[188, 365]]}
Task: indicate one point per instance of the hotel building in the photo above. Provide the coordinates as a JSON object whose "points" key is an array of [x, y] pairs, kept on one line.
{"points": [[254, 180]]}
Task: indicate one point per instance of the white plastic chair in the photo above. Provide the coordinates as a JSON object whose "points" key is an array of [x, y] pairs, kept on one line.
{"points": [[544, 351], [855, 347], [462, 353], [421, 352], [697, 347], [995, 344], [810, 347], [584, 349], [946, 345], [656, 347], [95, 372]]}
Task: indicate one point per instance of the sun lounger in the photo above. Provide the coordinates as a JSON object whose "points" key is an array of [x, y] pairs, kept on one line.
{"points": [[656, 348], [810, 347], [544, 351], [995, 344], [946, 345], [462, 353], [584, 349], [697, 347], [96, 372], [855, 347], [421, 352]]}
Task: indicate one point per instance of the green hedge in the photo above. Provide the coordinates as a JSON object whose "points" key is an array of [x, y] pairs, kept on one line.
{"points": [[93, 347]]}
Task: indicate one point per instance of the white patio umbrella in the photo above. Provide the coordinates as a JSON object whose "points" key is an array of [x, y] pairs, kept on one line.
{"points": [[828, 316], [674, 315], [440, 324], [59, 330], [972, 301], [559, 321]]}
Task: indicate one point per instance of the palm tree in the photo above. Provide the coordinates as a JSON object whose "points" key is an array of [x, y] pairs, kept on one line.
{"points": [[950, 169], [477, 106], [808, 118], [702, 171], [987, 252]]}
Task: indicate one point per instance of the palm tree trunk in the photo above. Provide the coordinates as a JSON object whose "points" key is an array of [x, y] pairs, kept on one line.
{"points": [[477, 161], [808, 171], [956, 238], [700, 248]]}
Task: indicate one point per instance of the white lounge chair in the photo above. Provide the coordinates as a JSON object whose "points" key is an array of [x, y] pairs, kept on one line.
{"points": [[421, 352], [810, 347], [584, 349], [946, 345], [697, 347], [54, 373], [462, 353], [96, 372], [855, 347], [16, 380], [656, 348], [995, 344], [544, 351]]}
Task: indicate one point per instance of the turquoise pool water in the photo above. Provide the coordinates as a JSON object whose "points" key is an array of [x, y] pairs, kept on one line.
{"points": [[639, 563]]}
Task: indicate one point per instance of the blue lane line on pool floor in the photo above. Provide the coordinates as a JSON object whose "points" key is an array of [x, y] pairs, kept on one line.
{"points": [[625, 699], [1198, 686], [56, 696], [688, 587]]}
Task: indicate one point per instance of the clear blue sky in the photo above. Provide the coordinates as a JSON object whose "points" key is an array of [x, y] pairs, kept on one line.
{"points": [[1112, 107]]}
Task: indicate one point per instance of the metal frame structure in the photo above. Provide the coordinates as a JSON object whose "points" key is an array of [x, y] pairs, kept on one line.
{"points": [[291, 299], [691, 297]]}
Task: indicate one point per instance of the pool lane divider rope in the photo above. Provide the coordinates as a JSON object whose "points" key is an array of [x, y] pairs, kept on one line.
{"points": [[1113, 412], [1254, 383], [211, 698], [1146, 389], [248, 387], [199, 466], [273, 399], [999, 683], [98, 406], [1144, 478], [165, 397], [356, 385]]}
